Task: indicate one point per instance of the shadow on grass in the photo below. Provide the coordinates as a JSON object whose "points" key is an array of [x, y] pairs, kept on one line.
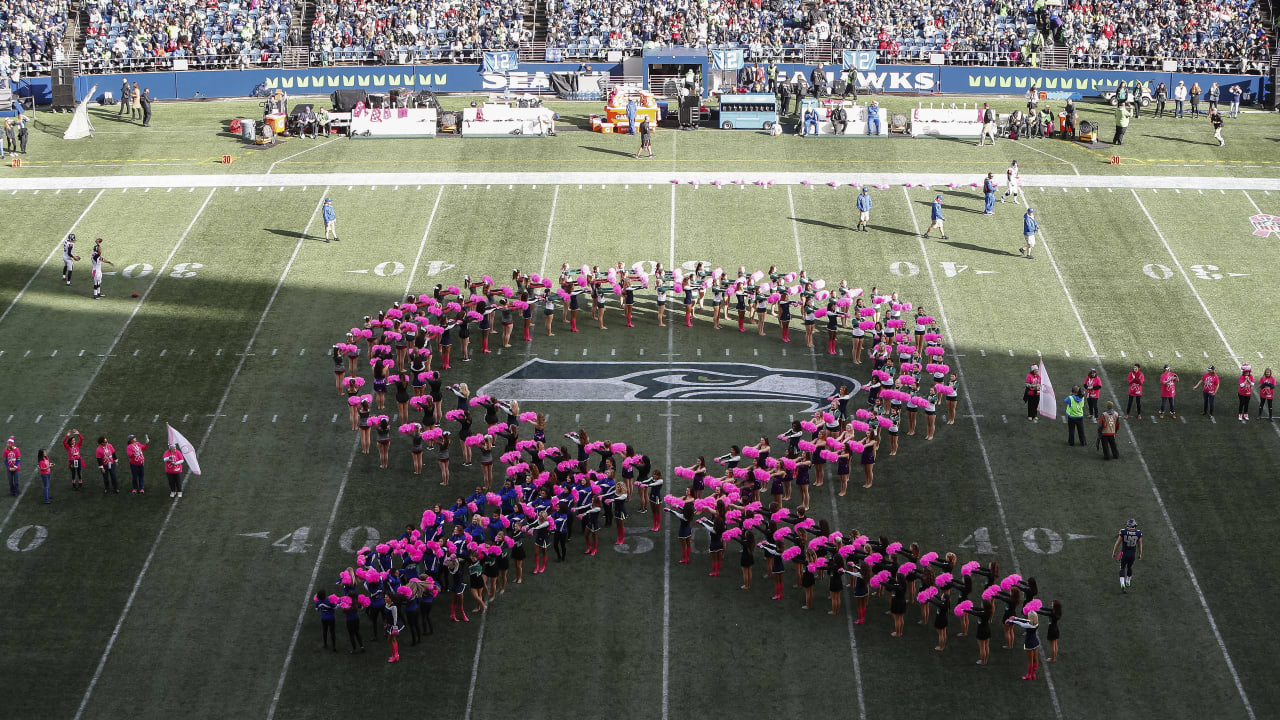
{"points": [[977, 248], [821, 223], [294, 234], [893, 230], [950, 207], [1181, 140], [607, 151]]}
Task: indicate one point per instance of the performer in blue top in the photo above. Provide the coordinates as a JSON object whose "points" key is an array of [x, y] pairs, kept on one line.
{"points": [[325, 607], [864, 210], [989, 194], [935, 216], [1127, 549], [1029, 229], [330, 220]]}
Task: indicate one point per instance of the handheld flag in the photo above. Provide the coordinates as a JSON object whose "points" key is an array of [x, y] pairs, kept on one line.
{"points": [[184, 445], [1048, 399]]}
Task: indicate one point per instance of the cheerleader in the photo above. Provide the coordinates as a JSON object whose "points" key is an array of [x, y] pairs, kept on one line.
{"points": [[575, 292], [740, 298], [654, 486], [380, 382], [715, 528], [486, 460], [784, 316], [895, 419], [747, 541], [810, 319], [489, 565], [363, 412], [516, 545], [930, 409], [384, 441], [457, 574], [377, 601], [541, 530], [962, 588], [325, 606], [393, 627], [353, 400], [621, 493], [688, 301], [942, 601], [898, 603], [860, 572], [464, 334], [983, 615], [833, 325], [807, 580], [869, 446], [507, 320], [843, 461], [719, 287], [1054, 616], [442, 457], [803, 464], [339, 367], [485, 322], [1244, 391], [776, 566], [548, 301], [1266, 394], [72, 442], [590, 517], [952, 398], [401, 382], [1031, 641], [1011, 600], [685, 514], [475, 582], [351, 612], [661, 290], [601, 296]]}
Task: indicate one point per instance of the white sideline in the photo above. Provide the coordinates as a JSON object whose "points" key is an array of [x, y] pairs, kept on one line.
{"points": [[146, 565], [422, 245], [1146, 471], [106, 354], [977, 429], [816, 178], [52, 253]]}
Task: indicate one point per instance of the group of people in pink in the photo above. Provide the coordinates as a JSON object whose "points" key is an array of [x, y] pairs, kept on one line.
{"points": [[106, 459]]}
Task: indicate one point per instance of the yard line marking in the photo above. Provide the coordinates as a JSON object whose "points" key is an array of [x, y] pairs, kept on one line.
{"points": [[475, 663], [795, 231], [431, 220], [315, 570], [96, 371], [52, 253], [97, 673], [1146, 471], [1055, 157], [551, 219], [977, 429], [666, 530]]}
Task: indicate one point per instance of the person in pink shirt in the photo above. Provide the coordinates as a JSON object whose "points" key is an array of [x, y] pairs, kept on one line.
{"points": [[1092, 391], [135, 451], [12, 457], [1266, 393], [106, 455], [173, 462], [1244, 390], [1168, 391], [45, 468], [1032, 393], [1136, 379], [72, 442], [1210, 381]]}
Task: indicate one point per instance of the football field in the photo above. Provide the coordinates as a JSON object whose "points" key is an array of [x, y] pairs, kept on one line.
{"points": [[201, 606]]}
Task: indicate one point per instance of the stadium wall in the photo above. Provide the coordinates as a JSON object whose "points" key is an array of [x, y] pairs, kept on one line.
{"points": [[914, 79]]}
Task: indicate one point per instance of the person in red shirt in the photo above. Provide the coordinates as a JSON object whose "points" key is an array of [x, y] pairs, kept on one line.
{"points": [[106, 455], [1136, 379], [1244, 389], [1266, 393], [1210, 381], [12, 457], [72, 442], [1092, 391], [173, 462], [45, 468], [135, 450], [1031, 394], [1168, 389]]}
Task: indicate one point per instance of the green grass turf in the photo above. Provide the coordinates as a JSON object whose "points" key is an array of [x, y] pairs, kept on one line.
{"points": [[192, 137], [211, 623]]}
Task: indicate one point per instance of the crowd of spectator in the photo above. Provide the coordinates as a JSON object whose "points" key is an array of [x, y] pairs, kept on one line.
{"points": [[1225, 35], [407, 30]]}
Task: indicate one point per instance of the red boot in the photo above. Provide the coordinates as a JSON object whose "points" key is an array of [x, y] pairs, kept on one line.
{"points": [[622, 534], [777, 589], [527, 338], [786, 334], [573, 324], [484, 343], [741, 325]]}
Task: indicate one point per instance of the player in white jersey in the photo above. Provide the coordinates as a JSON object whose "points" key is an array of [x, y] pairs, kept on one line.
{"points": [[68, 257], [1013, 177], [97, 260]]}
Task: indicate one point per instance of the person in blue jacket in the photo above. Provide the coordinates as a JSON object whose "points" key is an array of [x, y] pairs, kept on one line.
{"points": [[873, 118], [1029, 229], [864, 210], [936, 217], [351, 611], [325, 608], [330, 220], [989, 194]]}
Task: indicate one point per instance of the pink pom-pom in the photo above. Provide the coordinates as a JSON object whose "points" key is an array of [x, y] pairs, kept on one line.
{"points": [[926, 595], [753, 522], [1033, 606], [346, 578], [942, 580], [893, 548], [829, 456], [731, 534], [893, 323], [364, 600], [884, 422], [928, 558], [760, 475], [859, 426], [474, 440], [847, 550], [493, 499], [1010, 581], [673, 501], [345, 603], [880, 578], [618, 448], [353, 401], [740, 473], [855, 447], [934, 351], [818, 542], [790, 553], [788, 464], [906, 568], [771, 463], [807, 446], [990, 592], [428, 519], [806, 524], [751, 452], [780, 515], [881, 375], [963, 607]]}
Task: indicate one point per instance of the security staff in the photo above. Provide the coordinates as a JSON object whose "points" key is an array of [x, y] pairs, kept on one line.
{"points": [[1122, 122], [1075, 416]]}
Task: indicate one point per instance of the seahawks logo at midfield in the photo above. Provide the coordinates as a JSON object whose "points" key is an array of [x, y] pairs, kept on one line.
{"points": [[551, 381]]}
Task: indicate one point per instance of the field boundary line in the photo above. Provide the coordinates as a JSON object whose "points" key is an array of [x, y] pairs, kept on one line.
{"points": [[102, 363], [977, 429], [422, 245], [551, 221], [52, 254], [666, 527], [1274, 427], [835, 509], [124, 614], [1055, 157], [659, 177], [1155, 491], [313, 147], [311, 586]]}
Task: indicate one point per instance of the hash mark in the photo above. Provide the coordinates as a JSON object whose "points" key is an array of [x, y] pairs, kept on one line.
{"points": [[38, 418], [244, 419], [304, 418], [335, 418], [273, 418], [162, 352], [126, 418]]}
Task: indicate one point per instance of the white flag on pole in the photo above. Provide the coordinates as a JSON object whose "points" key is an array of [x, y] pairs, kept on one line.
{"points": [[1048, 400], [184, 445]]}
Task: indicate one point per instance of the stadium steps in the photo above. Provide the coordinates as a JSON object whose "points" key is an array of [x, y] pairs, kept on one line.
{"points": [[535, 13], [73, 40], [306, 16]]}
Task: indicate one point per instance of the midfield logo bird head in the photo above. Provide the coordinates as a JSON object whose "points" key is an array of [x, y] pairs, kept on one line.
{"points": [[552, 381]]}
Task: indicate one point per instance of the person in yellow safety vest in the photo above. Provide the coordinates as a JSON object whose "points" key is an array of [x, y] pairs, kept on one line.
{"points": [[1075, 416]]}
